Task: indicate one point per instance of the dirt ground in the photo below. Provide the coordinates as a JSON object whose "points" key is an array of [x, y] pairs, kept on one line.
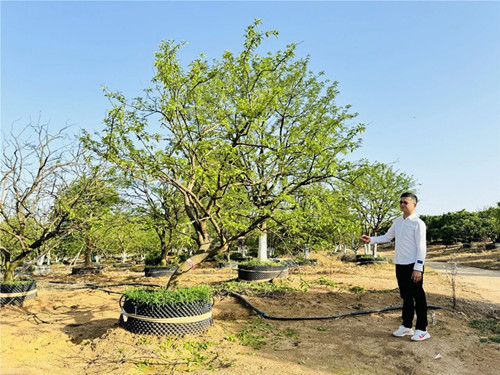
{"points": [[71, 329]]}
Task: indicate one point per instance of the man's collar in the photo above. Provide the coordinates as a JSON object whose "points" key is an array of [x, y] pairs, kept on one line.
{"points": [[412, 216]]}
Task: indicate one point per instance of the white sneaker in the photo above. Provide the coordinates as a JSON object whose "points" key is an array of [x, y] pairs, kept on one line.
{"points": [[420, 335], [403, 331]]}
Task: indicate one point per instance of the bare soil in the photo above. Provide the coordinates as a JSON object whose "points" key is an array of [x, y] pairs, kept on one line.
{"points": [[73, 329]]}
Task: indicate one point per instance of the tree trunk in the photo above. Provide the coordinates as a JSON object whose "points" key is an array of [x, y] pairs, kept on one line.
{"points": [[262, 254], [10, 267], [9, 272], [88, 252], [367, 248], [163, 247], [193, 261]]}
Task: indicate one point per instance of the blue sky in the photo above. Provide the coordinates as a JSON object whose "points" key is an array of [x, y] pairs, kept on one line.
{"points": [[423, 76]]}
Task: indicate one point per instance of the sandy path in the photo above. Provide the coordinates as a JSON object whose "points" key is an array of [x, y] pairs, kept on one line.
{"points": [[484, 283]]}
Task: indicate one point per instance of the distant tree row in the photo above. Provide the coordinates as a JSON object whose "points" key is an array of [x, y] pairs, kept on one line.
{"points": [[464, 227]]}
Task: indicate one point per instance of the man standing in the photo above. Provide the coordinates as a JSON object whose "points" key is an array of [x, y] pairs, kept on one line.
{"points": [[409, 258]]}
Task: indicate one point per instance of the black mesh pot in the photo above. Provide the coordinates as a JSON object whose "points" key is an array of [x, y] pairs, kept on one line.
{"points": [[177, 319], [262, 273], [159, 271], [87, 270], [17, 294], [367, 259]]}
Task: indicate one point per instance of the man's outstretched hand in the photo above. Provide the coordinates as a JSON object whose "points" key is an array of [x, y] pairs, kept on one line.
{"points": [[365, 238]]}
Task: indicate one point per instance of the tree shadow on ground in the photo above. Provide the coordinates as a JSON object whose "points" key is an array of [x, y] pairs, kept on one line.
{"points": [[90, 330]]}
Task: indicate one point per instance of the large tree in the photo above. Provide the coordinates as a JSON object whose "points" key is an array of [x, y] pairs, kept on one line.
{"points": [[36, 168], [236, 137]]}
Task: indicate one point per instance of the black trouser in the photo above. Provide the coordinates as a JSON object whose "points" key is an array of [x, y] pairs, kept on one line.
{"points": [[413, 296]]}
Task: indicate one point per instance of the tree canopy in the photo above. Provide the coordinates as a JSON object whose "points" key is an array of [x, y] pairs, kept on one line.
{"points": [[237, 137]]}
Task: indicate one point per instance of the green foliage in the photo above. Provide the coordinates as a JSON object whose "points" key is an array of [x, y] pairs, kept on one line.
{"points": [[158, 297], [486, 325], [463, 226], [357, 289], [259, 333], [374, 195], [255, 335], [196, 351], [490, 327], [238, 137], [252, 263], [153, 258], [324, 281], [254, 289], [495, 339], [143, 365], [317, 221]]}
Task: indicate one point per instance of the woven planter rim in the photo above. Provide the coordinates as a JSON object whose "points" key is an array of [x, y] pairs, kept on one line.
{"points": [[11, 294], [178, 318]]}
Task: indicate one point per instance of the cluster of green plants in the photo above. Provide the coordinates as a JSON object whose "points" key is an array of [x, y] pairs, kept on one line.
{"points": [[254, 289], [173, 353], [162, 296], [255, 262], [490, 327], [324, 281], [356, 289], [152, 259], [260, 333]]}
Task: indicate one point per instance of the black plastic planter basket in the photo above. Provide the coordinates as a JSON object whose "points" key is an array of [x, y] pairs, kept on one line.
{"points": [[87, 270], [262, 273], [367, 259], [159, 271], [177, 319], [17, 294]]}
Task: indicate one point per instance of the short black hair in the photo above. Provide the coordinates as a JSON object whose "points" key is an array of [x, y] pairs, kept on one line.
{"points": [[410, 195]]}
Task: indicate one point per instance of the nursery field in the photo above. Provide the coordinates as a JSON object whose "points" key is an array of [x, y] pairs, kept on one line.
{"points": [[72, 328]]}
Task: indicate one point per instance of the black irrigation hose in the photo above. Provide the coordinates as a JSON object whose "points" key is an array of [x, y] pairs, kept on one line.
{"points": [[338, 316]]}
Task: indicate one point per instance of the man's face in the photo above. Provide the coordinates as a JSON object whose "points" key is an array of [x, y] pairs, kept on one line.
{"points": [[407, 205]]}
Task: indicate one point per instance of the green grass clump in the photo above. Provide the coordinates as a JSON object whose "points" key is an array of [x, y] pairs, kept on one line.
{"points": [[324, 281], [490, 327], [260, 263], [159, 297], [357, 289], [486, 326]]}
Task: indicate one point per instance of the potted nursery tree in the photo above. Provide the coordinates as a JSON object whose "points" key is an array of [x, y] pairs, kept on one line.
{"points": [[156, 268], [257, 270], [162, 311]]}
